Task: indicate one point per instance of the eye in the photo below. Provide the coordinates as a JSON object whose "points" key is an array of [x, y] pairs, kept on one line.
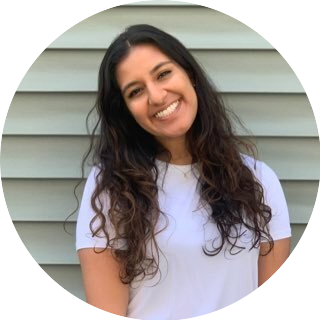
{"points": [[134, 92], [164, 74]]}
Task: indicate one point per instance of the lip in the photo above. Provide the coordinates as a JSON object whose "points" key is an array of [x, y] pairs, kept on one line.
{"points": [[171, 114]]}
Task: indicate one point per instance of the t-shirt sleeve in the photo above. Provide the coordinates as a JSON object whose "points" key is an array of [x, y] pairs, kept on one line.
{"points": [[84, 236], [279, 225]]}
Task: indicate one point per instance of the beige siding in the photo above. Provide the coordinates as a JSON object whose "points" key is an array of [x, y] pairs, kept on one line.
{"points": [[38, 113], [76, 71], [228, 32], [68, 276], [58, 247], [28, 199], [60, 156], [45, 135]]}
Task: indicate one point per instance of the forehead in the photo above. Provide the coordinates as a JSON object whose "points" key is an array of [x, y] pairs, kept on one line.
{"points": [[141, 58]]}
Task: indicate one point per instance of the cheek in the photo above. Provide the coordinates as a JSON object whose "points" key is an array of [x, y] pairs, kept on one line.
{"points": [[192, 95], [138, 113], [194, 100], [133, 109]]}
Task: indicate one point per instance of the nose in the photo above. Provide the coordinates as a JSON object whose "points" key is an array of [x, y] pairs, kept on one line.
{"points": [[156, 95]]}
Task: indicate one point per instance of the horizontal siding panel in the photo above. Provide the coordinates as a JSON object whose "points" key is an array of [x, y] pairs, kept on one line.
{"points": [[249, 71], [60, 157], [275, 115], [291, 158], [48, 243], [43, 157], [65, 114], [210, 29], [48, 113], [53, 200], [301, 197], [41, 200], [232, 71], [68, 277], [297, 233]]}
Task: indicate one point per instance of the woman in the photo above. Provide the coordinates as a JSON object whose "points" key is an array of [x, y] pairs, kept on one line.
{"points": [[175, 222]]}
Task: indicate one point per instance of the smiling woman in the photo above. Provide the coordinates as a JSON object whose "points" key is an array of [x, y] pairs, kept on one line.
{"points": [[173, 210], [159, 94]]}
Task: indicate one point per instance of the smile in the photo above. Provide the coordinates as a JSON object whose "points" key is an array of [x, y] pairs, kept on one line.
{"points": [[166, 112]]}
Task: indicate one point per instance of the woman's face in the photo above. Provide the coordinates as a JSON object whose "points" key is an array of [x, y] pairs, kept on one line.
{"points": [[158, 93]]}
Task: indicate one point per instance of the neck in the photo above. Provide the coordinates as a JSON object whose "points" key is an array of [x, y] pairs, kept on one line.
{"points": [[178, 150]]}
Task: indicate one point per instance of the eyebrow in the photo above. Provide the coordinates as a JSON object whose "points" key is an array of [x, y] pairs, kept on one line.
{"points": [[154, 69]]}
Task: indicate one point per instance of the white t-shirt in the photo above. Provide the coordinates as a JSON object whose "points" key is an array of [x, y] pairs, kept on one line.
{"points": [[191, 283]]}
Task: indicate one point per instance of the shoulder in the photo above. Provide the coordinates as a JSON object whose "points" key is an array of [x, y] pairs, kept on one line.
{"points": [[272, 189], [273, 196], [260, 169], [93, 176], [89, 187]]}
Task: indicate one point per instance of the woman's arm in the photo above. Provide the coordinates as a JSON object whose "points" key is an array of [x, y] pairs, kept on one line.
{"points": [[104, 290], [270, 263]]}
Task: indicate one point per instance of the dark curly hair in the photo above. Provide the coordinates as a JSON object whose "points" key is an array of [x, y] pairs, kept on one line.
{"points": [[125, 155]]}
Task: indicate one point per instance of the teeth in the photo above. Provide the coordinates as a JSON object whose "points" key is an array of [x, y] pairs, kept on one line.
{"points": [[169, 110]]}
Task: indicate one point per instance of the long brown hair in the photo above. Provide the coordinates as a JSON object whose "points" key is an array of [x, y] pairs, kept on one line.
{"points": [[125, 155]]}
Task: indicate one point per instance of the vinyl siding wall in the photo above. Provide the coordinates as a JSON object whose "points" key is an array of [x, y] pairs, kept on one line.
{"points": [[45, 136]]}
